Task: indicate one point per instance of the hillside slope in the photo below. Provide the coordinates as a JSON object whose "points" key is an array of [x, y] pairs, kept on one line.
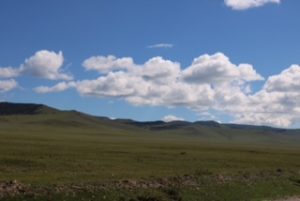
{"points": [[41, 117], [70, 150], [7, 108]]}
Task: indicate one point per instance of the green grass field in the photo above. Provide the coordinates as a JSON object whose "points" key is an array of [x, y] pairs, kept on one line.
{"points": [[69, 156]]}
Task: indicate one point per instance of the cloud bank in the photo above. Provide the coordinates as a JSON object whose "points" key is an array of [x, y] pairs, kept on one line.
{"points": [[211, 83], [247, 4]]}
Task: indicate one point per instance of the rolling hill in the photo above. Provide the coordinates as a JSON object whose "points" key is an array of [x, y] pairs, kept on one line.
{"points": [[35, 116], [69, 155]]}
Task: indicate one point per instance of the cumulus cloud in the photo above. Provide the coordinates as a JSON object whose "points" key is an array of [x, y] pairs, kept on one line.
{"points": [[277, 102], [210, 82], [118, 84], [211, 85], [217, 68], [61, 86], [159, 70], [105, 64], [9, 72], [246, 4], [156, 82], [43, 64], [8, 85], [170, 118], [161, 45], [288, 80]]}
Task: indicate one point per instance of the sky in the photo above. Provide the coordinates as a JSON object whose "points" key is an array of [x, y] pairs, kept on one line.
{"points": [[231, 61]]}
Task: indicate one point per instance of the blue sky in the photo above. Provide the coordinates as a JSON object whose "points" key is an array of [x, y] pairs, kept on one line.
{"points": [[229, 33]]}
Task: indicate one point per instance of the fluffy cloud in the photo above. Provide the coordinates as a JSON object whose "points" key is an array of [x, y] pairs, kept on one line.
{"points": [[217, 68], [161, 45], [159, 70], [277, 103], [104, 64], [170, 118], [246, 4], [62, 86], [7, 85], [156, 82], [43, 64], [210, 83], [115, 84], [9, 72], [287, 81]]}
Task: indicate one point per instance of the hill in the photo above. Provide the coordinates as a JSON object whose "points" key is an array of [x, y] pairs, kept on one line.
{"points": [[7, 108], [69, 155], [45, 116]]}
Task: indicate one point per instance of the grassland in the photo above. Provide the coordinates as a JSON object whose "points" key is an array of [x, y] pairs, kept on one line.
{"points": [[70, 156]]}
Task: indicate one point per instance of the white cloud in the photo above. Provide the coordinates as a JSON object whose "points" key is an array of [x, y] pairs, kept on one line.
{"points": [[159, 69], [115, 84], [170, 118], [104, 64], [277, 102], [9, 72], [156, 82], [161, 45], [210, 83], [59, 87], [217, 68], [287, 80], [246, 4], [43, 64], [8, 85]]}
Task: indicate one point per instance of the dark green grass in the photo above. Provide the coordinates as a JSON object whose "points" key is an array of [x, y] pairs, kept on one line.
{"points": [[65, 149]]}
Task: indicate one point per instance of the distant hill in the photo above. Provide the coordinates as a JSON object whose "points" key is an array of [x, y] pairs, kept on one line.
{"points": [[7, 108], [44, 117]]}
